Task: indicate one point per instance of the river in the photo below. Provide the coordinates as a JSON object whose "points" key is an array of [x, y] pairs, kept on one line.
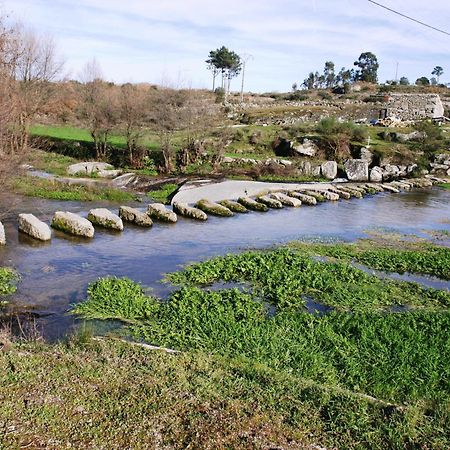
{"points": [[55, 275]]}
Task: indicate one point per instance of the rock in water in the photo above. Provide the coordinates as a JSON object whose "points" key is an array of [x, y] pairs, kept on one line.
{"points": [[234, 206], [316, 194], [105, 218], [135, 216], [158, 211], [188, 211], [330, 196], [342, 194], [270, 202], [31, 225], [357, 170], [2, 235], [213, 208], [305, 199], [249, 203], [73, 224], [286, 200]]}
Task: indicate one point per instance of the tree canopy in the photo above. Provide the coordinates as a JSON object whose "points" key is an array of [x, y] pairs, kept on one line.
{"points": [[226, 62], [367, 67]]}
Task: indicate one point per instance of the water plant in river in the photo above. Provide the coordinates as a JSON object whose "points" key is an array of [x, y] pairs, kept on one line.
{"points": [[8, 277]]}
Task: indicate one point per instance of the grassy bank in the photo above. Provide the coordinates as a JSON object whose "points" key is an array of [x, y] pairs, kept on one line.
{"points": [[36, 187], [162, 195], [360, 349]]}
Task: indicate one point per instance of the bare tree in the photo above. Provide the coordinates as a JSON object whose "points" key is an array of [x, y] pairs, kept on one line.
{"points": [[99, 107]]}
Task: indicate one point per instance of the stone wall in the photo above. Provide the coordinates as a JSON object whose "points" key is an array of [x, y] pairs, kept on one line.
{"points": [[415, 106]]}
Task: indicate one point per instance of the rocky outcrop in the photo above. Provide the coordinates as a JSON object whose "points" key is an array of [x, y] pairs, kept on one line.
{"points": [[357, 170], [215, 209], [88, 168], [234, 206], [376, 174], [158, 211], [286, 200], [304, 198], [31, 225], [188, 211], [253, 205], [329, 170], [105, 218], [2, 235], [133, 215], [270, 202], [72, 224], [307, 148]]}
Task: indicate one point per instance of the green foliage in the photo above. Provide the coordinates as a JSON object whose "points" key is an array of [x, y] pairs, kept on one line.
{"points": [[162, 195], [8, 278], [34, 187], [368, 65], [114, 298]]}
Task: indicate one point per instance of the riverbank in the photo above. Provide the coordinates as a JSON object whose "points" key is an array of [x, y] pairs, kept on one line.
{"points": [[260, 361]]}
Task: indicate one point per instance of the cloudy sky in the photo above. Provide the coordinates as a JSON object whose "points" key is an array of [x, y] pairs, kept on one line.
{"points": [[167, 41]]}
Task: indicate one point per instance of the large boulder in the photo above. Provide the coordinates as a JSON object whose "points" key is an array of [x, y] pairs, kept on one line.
{"points": [[73, 224], [133, 215], [31, 225], [357, 170], [188, 211], [2, 235], [329, 170], [88, 168], [390, 172], [307, 148], [105, 218], [366, 155], [158, 211], [376, 174]]}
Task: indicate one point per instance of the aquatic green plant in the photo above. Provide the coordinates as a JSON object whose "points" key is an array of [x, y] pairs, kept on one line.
{"points": [[8, 278]]}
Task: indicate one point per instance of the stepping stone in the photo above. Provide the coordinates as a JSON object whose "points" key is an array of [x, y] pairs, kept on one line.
{"points": [[133, 215], [286, 200], [390, 188], [317, 195], [72, 224], [270, 202], [375, 187], [342, 194], [215, 209], [330, 196], [305, 199], [105, 218], [253, 205], [353, 192], [233, 206], [31, 225], [158, 211], [188, 211]]}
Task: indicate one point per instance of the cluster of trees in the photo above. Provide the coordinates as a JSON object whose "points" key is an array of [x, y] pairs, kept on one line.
{"points": [[226, 63], [366, 69]]}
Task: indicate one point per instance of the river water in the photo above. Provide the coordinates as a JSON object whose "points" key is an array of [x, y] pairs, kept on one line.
{"points": [[55, 275]]}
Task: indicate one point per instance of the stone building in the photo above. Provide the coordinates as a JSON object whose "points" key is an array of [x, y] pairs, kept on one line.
{"points": [[413, 106]]}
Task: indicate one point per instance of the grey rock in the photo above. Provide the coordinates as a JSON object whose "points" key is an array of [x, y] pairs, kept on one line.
{"points": [[330, 196], [357, 170], [188, 211], [376, 174], [366, 155], [305, 168], [253, 205], [105, 218], [286, 200], [342, 193], [2, 235], [233, 206], [133, 215], [390, 172], [109, 173], [329, 170], [390, 188], [125, 180], [73, 224], [31, 225], [307, 148], [213, 208], [158, 211], [88, 168], [413, 136], [315, 171], [270, 202], [304, 198]]}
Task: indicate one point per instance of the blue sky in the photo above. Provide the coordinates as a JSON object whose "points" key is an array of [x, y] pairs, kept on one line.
{"points": [[167, 41]]}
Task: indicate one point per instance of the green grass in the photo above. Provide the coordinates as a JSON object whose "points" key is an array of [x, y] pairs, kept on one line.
{"points": [[8, 278], [51, 162], [445, 185], [35, 187], [163, 194]]}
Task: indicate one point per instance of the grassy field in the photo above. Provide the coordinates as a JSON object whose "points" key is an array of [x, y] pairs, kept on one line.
{"points": [[35, 187], [366, 377]]}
